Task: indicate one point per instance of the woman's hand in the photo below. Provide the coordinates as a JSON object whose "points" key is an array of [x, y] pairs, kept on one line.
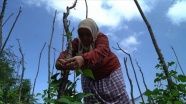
{"points": [[74, 62], [60, 64]]}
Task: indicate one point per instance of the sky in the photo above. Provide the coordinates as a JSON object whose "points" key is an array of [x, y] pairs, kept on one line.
{"points": [[118, 19]]}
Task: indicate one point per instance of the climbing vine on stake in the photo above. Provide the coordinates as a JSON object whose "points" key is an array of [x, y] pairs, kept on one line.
{"points": [[65, 73], [162, 94], [70, 96]]}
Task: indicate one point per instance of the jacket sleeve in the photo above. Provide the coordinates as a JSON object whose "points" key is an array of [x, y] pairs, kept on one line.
{"points": [[100, 51]]}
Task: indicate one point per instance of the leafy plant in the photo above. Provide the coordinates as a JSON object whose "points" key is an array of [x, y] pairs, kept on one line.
{"points": [[9, 80], [71, 96], [162, 94]]}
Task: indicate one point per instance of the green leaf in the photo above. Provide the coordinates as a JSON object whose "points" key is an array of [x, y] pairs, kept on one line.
{"points": [[55, 76], [181, 87], [49, 100], [76, 102], [169, 102], [174, 92], [1, 92], [38, 94], [148, 92], [182, 78], [63, 100], [164, 77], [157, 66], [155, 91], [157, 80], [55, 83], [171, 63], [78, 72], [72, 85], [88, 73], [69, 34], [88, 94], [1, 102], [173, 73], [69, 98], [159, 74], [79, 96], [178, 102], [69, 84]]}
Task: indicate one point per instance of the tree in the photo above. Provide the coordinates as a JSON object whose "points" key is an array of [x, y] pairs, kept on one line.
{"points": [[10, 80]]}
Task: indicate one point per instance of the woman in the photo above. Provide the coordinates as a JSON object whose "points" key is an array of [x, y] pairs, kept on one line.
{"points": [[94, 53]]}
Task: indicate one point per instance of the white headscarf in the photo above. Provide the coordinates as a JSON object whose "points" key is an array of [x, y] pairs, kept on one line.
{"points": [[92, 26]]}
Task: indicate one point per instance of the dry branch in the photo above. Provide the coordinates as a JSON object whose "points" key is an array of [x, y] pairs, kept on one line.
{"points": [[1, 21], [161, 58], [142, 75], [23, 70], [38, 69], [119, 48], [49, 54], [65, 73], [54, 49], [7, 19], [53, 63], [10, 31], [177, 60], [131, 91], [63, 41], [144, 82], [86, 8]]}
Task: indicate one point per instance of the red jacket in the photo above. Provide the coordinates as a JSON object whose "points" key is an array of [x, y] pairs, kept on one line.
{"points": [[102, 61]]}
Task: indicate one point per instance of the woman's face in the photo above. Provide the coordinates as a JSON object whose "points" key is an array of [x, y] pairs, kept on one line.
{"points": [[85, 36]]}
